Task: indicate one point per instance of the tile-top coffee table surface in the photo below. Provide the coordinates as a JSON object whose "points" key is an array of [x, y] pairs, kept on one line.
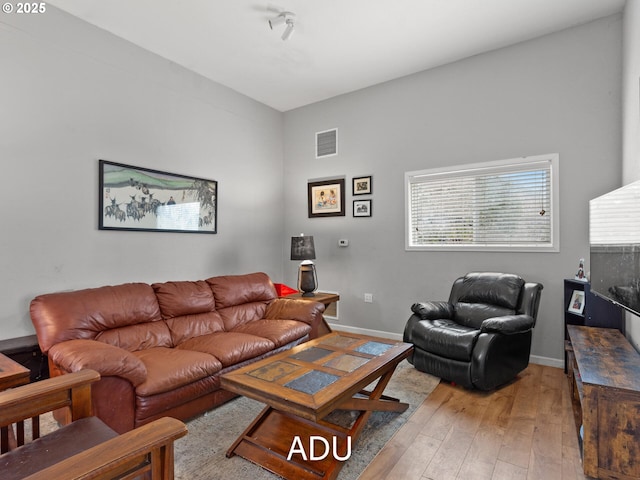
{"points": [[309, 382]]}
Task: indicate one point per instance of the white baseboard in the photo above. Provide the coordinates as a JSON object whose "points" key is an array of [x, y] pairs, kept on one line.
{"points": [[537, 359], [547, 361], [365, 331]]}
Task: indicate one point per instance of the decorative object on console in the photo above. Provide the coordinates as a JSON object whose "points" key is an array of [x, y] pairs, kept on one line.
{"points": [[576, 305], [326, 198], [303, 248], [580, 274], [135, 198], [362, 208], [283, 290], [362, 185]]}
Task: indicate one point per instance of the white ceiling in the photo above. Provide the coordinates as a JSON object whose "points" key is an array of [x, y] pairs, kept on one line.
{"points": [[338, 45]]}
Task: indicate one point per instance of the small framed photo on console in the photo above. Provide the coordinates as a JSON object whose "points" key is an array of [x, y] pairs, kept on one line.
{"points": [[576, 305]]}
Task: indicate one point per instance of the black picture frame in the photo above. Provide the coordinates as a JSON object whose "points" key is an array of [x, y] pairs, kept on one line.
{"points": [[362, 208], [147, 200], [362, 185], [326, 198]]}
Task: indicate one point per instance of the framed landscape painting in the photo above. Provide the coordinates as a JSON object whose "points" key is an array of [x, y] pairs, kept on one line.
{"points": [[141, 199]]}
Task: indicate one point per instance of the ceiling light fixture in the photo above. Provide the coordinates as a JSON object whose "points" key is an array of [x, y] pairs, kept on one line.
{"points": [[284, 18]]}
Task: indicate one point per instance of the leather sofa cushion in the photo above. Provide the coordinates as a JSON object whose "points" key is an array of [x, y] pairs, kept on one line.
{"points": [[229, 347], [188, 326], [445, 338], [82, 314], [231, 290], [280, 332], [170, 368], [501, 289], [239, 314], [60, 444], [138, 337], [184, 298]]}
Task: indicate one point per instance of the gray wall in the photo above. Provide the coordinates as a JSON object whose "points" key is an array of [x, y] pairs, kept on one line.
{"points": [[631, 118], [73, 94], [558, 93]]}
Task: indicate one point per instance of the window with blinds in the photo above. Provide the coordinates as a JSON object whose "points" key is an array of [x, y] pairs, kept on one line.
{"points": [[502, 206]]}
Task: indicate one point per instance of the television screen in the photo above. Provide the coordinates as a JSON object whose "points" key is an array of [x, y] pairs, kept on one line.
{"points": [[614, 235]]}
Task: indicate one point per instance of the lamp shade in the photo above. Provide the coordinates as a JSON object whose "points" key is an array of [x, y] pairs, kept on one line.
{"points": [[302, 248]]}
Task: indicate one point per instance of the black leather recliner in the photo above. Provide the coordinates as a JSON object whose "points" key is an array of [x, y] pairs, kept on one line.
{"points": [[481, 337]]}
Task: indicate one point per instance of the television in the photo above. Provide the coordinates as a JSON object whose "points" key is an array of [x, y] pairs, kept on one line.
{"points": [[614, 237]]}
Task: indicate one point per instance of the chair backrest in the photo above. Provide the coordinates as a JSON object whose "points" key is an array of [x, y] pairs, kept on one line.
{"points": [[481, 295]]}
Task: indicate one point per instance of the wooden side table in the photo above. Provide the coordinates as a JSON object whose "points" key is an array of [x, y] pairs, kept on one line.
{"points": [[12, 374], [321, 297]]}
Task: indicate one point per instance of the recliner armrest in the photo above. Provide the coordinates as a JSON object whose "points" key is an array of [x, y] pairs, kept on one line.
{"points": [[508, 324], [432, 310]]}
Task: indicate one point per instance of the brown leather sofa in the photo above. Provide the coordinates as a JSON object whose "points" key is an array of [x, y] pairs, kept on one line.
{"points": [[161, 348]]}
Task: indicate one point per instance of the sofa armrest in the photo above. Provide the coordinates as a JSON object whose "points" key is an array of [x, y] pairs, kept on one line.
{"points": [[432, 310], [294, 309], [508, 324], [106, 359], [132, 451]]}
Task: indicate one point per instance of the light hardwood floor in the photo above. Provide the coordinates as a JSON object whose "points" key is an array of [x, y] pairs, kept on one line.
{"points": [[524, 430]]}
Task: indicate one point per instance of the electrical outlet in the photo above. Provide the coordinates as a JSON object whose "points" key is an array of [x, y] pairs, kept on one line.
{"points": [[368, 298]]}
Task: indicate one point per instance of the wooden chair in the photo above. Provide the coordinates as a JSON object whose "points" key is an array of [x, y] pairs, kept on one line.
{"points": [[84, 449]]}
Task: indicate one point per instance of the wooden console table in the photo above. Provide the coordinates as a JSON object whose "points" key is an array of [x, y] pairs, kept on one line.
{"points": [[604, 374]]}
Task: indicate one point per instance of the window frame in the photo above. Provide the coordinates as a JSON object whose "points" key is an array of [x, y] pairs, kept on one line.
{"points": [[499, 166]]}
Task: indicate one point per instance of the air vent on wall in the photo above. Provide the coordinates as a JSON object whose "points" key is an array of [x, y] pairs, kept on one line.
{"points": [[327, 143]]}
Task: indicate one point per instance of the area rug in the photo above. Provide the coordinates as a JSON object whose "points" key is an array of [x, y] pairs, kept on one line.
{"points": [[200, 455]]}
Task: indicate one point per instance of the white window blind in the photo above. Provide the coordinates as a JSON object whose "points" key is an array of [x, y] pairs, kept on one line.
{"points": [[504, 205], [611, 217]]}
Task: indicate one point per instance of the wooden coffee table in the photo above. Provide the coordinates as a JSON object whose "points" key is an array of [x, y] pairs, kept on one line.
{"points": [[301, 387]]}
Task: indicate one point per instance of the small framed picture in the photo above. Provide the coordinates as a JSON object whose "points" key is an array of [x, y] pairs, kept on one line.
{"points": [[362, 208], [362, 185], [576, 305]]}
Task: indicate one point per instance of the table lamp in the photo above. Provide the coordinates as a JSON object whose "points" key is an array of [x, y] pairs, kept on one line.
{"points": [[302, 248]]}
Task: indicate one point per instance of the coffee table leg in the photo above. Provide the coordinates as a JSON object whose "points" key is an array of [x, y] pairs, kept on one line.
{"points": [[375, 402], [247, 432]]}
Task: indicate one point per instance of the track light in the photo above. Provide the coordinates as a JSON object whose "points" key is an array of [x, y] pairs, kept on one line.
{"points": [[289, 30], [279, 20], [284, 18]]}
